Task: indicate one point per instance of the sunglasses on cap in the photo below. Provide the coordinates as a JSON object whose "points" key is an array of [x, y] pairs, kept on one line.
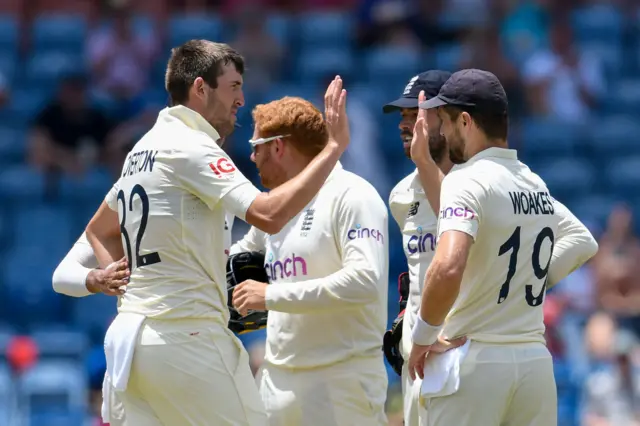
{"points": [[260, 141]]}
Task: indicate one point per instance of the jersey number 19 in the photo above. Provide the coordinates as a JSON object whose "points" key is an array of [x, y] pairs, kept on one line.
{"points": [[141, 260], [513, 244]]}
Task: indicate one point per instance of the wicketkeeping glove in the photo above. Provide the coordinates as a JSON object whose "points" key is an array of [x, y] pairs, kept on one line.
{"points": [[393, 338], [241, 267]]}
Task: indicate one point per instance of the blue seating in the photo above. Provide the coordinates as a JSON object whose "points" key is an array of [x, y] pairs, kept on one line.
{"points": [[50, 226], [315, 65], [12, 145], [8, 62], [325, 29], [188, 27], [53, 386], [95, 313], [7, 395], [623, 97], [64, 32], [448, 57], [279, 27], [21, 184], [48, 66], [547, 136], [624, 176], [58, 418], [568, 177], [60, 344], [390, 64], [614, 136], [600, 22], [592, 208], [8, 33]]}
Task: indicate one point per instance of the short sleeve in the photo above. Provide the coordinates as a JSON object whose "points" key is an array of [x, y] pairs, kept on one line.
{"points": [[206, 171], [460, 205], [112, 197]]}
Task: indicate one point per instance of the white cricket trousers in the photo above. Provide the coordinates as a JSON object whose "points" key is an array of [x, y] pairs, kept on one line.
{"points": [[500, 385], [411, 407], [191, 373], [350, 393]]}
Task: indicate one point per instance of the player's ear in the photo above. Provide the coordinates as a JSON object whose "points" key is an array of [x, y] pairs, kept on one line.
{"points": [[198, 85], [465, 118], [278, 145]]}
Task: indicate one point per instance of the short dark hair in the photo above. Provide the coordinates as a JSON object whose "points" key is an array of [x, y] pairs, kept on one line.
{"points": [[198, 58], [494, 124]]}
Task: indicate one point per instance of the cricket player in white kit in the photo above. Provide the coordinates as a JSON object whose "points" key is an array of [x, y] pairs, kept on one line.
{"points": [[170, 355], [328, 273], [414, 205], [502, 242]]}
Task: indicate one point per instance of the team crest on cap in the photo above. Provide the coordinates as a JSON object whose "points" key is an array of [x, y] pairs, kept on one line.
{"points": [[409, 86]]}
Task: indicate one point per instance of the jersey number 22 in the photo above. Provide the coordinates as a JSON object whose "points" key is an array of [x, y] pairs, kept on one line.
{"points": [[145, 259], [513, 244]]}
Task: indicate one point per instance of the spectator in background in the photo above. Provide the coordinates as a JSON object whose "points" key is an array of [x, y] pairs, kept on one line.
{"points": [[612, 390], [524, 28], [561, 82], [121, 60], [483, 50], [263, 53], [617, 270], [68, 134]]}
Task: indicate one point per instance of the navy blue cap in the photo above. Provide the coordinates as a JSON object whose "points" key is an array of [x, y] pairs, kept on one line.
{"points": [[471, 88], [429, 81]]}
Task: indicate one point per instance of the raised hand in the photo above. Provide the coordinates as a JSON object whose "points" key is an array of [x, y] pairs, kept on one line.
{"points": [[335, 112], [420, 153]]}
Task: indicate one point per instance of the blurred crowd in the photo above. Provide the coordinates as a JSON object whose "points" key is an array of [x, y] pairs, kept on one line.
{"points": [[81, 81]]}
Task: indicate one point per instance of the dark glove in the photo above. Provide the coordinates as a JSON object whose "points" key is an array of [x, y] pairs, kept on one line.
{"points": [[403, 289], [391, 344], [393, 338], [241, 267]]}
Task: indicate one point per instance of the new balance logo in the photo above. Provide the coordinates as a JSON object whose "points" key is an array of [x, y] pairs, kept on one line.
{"points": [[413, 210], [307, 221]]}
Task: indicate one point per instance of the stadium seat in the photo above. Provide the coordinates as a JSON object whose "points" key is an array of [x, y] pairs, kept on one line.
{"points": [[47, 225], [24, 106], [448, 56], [95, 313], [391, 64], [12, 145], [624, 176], [93, 186], [63, 32], [48, 66], [58, 418], [8, 34], [567, 177], [623, 97], [314, 65], [20, 184], [598, 22], [59, 343], [187, 27], [592, 208], [7, 395], [611, 56], [279, 27], [546, 136], [614, 135], [317, 29], [8, 62], [53, 385], [6, 334]]}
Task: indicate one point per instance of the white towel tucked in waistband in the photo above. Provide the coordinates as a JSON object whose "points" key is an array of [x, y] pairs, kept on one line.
{"points": [[119, 344], [442, 372]]}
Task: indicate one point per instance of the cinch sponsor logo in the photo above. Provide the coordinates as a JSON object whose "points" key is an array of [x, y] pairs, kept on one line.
{"points": [[222, 166], [288, 267], [361, 232], [421, 243], [463, 212]]}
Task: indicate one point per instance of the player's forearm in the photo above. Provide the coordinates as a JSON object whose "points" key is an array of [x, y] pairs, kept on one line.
{"points": [[570, 253], [350, 286], [103, 234], [441, 289], [431, 180], [70, 279], [271, 211]]}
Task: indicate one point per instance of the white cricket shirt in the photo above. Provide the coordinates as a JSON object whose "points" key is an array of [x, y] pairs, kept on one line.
{"points": [[515, 222], [328, 271], [418, 223], [175, 190]]}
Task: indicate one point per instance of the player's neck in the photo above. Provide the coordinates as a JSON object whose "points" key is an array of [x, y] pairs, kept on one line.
{"points": [[485, 144], [445, 165]]}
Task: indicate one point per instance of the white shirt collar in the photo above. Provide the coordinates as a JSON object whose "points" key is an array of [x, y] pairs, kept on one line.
{"points": [[190, 118], [494, 152]]}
